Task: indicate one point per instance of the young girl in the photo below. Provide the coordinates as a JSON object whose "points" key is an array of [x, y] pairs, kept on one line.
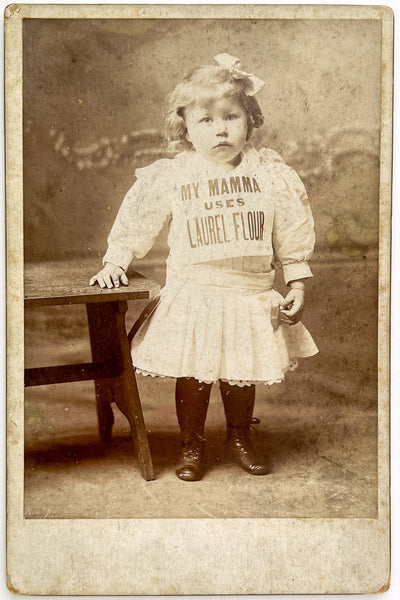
{"points": [[234, 213]]}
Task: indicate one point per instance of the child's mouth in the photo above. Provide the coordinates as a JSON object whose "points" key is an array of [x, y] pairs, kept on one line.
{"points": [[223, 145]]}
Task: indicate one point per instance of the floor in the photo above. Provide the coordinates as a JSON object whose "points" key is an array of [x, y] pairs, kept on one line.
{"points": [[318, 428]]}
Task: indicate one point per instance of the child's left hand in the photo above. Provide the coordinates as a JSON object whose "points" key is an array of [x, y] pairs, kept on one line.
{"points": [[292, 307]]}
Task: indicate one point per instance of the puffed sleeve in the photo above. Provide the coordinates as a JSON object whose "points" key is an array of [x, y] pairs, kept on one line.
{"points": [[141, 216], [293, 236]]}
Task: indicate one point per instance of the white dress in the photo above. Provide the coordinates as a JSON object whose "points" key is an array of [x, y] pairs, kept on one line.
{"points": [[227, 232]]}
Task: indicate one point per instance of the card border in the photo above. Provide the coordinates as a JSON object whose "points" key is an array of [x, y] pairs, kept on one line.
{"points": [[190, 556]]}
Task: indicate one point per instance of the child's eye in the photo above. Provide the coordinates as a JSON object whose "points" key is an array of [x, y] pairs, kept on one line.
{"points": [[231, 117], [206, 120]]}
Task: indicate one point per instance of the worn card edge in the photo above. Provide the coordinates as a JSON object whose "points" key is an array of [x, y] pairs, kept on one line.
{"points": [[22, 578]]}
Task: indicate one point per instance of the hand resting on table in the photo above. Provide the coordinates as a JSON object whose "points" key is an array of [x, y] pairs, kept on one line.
{"points": [[110, 276]]}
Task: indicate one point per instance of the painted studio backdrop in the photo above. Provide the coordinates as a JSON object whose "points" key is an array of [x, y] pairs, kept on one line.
{"points": [[94, 94]]}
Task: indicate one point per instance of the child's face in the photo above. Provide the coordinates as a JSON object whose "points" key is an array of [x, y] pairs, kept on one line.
{"points": [[217, 129]]}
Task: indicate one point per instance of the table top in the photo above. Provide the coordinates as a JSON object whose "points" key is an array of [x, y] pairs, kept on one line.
{"points": [[67, 282]]}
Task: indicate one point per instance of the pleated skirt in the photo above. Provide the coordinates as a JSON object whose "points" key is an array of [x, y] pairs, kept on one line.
{"points": [[218, 324]]}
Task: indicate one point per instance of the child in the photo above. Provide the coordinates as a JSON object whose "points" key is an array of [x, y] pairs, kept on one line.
{"points": [[234, 213]]}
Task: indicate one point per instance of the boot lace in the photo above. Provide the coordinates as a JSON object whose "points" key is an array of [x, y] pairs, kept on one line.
{"points": [[192, 448]]}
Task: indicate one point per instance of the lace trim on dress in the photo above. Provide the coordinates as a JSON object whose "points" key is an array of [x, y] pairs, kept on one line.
{"points": [[241, 383]]}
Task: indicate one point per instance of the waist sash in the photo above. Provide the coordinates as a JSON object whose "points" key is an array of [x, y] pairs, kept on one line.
{"points": [[210, 275]]}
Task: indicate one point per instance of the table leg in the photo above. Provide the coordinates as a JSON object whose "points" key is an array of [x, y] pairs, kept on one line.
{"points": [[104, 344], [109, 340], [129, 401], [105, 415]]}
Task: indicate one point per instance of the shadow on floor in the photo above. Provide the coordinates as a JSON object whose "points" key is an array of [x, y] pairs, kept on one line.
{"points": [[319, 428]]}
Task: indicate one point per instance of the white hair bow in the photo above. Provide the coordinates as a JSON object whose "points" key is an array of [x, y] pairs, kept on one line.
{"points": [[253, 83]]}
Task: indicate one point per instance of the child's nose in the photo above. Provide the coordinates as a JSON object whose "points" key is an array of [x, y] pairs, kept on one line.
{"points": [[220, 127]]}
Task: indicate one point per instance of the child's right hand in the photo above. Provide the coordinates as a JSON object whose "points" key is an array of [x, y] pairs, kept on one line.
{"points": [[110, 276]]}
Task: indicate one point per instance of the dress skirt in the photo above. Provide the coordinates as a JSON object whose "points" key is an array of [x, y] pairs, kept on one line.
{"points": [[212, 323]]}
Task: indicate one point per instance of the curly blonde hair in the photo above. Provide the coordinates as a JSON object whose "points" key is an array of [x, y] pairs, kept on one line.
{"points": [[205, 82]]}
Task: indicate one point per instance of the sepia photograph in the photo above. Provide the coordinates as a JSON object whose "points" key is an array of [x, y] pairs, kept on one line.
{"points": [[98, 96], [204, 249]]}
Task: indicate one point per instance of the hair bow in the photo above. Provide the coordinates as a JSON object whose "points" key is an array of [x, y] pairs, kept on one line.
{"points": [[231, 63]]}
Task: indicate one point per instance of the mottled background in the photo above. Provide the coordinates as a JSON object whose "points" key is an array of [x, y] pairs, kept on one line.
{"points": [[94, 93], [93, 104]]}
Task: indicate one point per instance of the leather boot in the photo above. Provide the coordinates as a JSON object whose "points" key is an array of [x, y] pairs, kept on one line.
{"points": [[238, 405], [192, 400], [191, 460]]}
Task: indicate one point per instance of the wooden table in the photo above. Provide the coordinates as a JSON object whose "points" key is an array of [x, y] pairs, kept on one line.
{"points": [[66, 283]]}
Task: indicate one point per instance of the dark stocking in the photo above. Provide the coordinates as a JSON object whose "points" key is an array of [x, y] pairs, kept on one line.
{"points": [[239, 405], [191, 399]]}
